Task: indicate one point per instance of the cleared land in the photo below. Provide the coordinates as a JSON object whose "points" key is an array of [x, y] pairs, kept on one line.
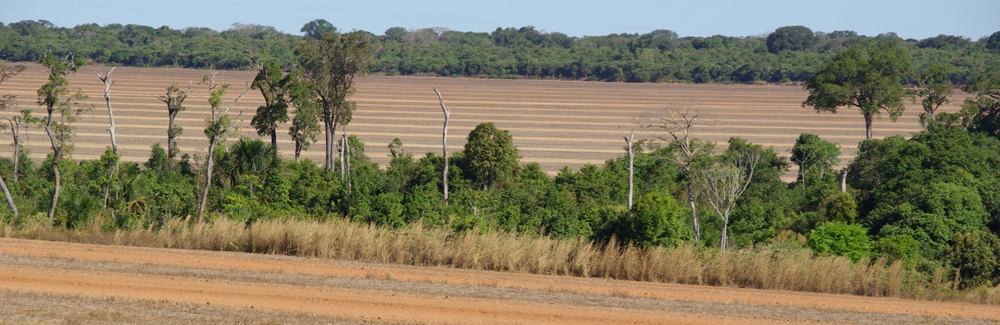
{"points": [[554, 123], [54, 282]]}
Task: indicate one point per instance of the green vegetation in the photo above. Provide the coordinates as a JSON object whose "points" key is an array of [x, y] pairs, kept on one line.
{"points": [[927, 207], [790, 54]]}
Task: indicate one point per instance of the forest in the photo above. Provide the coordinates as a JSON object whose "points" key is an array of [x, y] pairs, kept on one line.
{"points": [[930, 202], [790, 54]]}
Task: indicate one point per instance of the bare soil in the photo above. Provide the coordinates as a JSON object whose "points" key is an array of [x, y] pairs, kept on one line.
{"points": [[66, 283], [554, 123]]}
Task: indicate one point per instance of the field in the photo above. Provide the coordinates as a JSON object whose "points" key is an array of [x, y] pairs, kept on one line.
{"points": [[554, 123], [69, 283]]}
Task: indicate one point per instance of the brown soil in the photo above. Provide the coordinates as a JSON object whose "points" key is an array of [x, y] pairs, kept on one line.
{"points": [[554, 123], [54, 282]]}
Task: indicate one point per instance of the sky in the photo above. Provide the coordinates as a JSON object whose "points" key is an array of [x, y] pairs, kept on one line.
{"points": [[909, 19]]}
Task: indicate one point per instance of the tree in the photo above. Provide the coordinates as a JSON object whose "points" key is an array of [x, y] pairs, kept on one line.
{"points": [[8, 102], [790, 38], [631, 166], [866, 75], [678, 122], [304, 126], [330, 63], [444, 144], [724, 181], [812, 153], [273, 85], [56, 97], [993, 43], [982, 112], [175, 104], [217, 127], [491, 155], [318, 28], [106, 79], [934, 89]]}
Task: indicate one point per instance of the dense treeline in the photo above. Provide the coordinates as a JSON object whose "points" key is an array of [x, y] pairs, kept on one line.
{"points": [[790, 54]]}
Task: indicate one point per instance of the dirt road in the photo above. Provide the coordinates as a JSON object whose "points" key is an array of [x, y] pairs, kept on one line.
{"points": [[55, 282]]}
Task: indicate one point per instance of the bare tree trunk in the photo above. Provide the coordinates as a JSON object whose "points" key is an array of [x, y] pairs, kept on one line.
{"points": [[843, 180], [10, 199], [274, 138], [56, 152], [298, 150], [724, 242], [208, 180], [444, 145], [631, 167], [15, 132], [343, 145], [868, 126], [55, 194], [331, 135], [107, 99], [347, 151], [694, 210]]}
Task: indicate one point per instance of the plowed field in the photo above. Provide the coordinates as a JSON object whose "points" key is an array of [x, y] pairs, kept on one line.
{"points": [[53, 282], [554, 123]]}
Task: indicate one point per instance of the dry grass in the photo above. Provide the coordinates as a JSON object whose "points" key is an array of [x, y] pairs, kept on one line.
{"points": [[775, 267]]}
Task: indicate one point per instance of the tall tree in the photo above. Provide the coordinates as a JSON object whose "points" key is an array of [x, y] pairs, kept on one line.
{"points": [[982, 112], [934, 89], [217, 127], [330, 63], [811, 153], [56, 97], [304, 126], [444, 144], [679, 122], [175, 104], [7, 103], [866, 75], [492, 156], [790, 38], [273, 85], [724, 181], [106, 79]]}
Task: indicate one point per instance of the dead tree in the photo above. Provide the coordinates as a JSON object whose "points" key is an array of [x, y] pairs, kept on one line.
{"points": [[106, 79], [175, 104], [218, 126], [444, 144], [678, 122], [8, 102], [631, 166], [723, 183]]}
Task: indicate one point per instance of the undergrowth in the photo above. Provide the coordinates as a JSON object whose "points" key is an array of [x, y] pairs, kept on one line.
{"points": [[780, 266]]}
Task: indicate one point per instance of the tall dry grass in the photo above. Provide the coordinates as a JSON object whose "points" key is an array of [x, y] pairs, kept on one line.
{"points": [[776, 267]]}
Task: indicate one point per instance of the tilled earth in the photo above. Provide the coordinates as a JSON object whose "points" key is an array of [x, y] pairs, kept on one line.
{"points": [[66, 283], [554, 123]]}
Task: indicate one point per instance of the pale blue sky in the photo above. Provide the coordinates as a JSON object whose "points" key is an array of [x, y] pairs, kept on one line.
{"points": [[910, 19]]}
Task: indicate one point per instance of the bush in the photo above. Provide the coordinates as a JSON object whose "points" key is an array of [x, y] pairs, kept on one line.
{"points": [[899, 248], [976, 258], [840, 238], [655, 221]]}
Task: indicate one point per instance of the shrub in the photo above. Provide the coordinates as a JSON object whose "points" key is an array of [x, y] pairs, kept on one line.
{"points": [[840, 238]]}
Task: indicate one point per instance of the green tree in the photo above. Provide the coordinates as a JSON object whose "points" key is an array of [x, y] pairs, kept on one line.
{"points": [[976, 258], [174, 98], [491, 155], [318, 28], [330, 64], [866, 75], [839, 238], [57, 98], [813, 154], [790, 38], [933, 90], [273, 85], [304, 125], [982, 112], [217, 127]]}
